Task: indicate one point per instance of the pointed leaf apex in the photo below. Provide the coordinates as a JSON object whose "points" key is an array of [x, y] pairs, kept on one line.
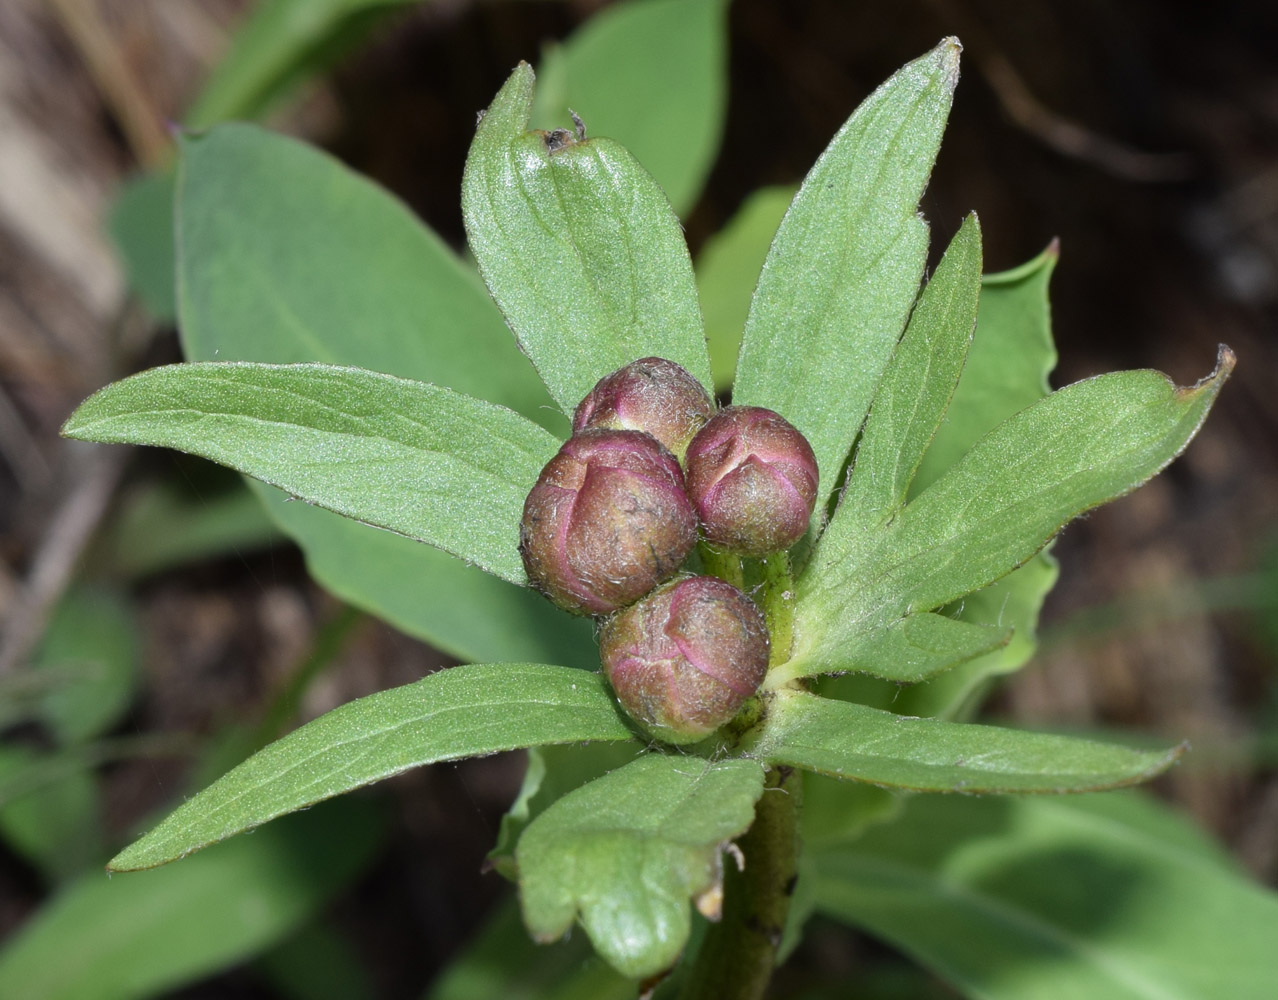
{"points": [[948, 53], [1226, 359]]}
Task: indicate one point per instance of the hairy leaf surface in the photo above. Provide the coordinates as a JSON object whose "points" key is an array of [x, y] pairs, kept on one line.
{"points": [[579, 248], [285, 255], [417, 459], [846, 740], [1011, 493], [651, 74], [627, 852], [461, 712], [845, 266]]}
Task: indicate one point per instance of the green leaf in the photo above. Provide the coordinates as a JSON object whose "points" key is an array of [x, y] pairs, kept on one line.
{"points": [[909, 407], [913, 648], [92, 643], [727, 271], [579, 248], [913, 397], [146, 935], [629, 850], [1011, 356], [846, 264], [504, 962], [287, 256], [460, 712], [651, 74], [414, 458], [1015, 489], [552, 772], [140, 223], [1007, 368], [1094, 898], [846, 740], [1012, 604], [278, 46]]}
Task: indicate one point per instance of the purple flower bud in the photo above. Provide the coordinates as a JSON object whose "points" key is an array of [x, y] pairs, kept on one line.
{"points": [[652, 395], [606, 522], [753, 480], [684, 659]]}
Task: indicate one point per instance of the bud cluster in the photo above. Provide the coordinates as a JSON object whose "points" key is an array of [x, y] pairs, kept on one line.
{"points": [[614, 515]]}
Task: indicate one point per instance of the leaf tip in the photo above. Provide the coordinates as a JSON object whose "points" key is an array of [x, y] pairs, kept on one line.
{"points": [[1226, 360], [947, 54]]}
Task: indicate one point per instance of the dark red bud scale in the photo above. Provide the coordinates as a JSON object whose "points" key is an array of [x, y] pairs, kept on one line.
{"points": [[652, 395], [607, 521], [685, 659], [752, 478]]}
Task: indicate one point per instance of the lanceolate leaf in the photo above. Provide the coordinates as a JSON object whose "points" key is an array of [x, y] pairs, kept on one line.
{"points": [[147, 935], [1007, 368], [914, 394], [1081, 446], [651, 74], [1011, 357], [461, 712], [285, 255], [1092, 898], [846, 264], [846, 740], [579, 248], [628, 851], [913, 648], [426, 462]]}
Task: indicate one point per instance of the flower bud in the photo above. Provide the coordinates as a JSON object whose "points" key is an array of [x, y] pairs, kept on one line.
{"points": [[684, 659], [652, 395], [753, 479], [606, 522]]}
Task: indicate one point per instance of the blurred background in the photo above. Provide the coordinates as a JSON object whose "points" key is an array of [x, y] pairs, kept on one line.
{"points": [[1142, 135]]}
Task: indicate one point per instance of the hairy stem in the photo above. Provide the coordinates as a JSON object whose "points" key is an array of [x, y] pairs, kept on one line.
{"points": [[724, 565], [739, 952], [777, 598]]}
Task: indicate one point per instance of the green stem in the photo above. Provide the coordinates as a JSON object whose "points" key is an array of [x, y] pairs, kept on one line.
{"points": [[777, 598], [739, 952], [724, 565]]}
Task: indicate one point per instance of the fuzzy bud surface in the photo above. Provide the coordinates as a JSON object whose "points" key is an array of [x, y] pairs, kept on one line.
{"points": [[607, 521], [685, 659], [653, 395], [752, 477]]}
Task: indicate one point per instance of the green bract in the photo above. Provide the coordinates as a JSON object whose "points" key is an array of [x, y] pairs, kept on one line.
{"points": [[361, 368]]}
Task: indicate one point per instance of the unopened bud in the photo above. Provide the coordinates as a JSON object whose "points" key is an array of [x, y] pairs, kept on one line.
{"points": [[685, 659], [606, 522], [752, 478], [652, 395]]}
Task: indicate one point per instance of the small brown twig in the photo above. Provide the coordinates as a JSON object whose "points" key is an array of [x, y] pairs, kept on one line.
{"points": [[138, 118], [1052, 129], [98, 469]]}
